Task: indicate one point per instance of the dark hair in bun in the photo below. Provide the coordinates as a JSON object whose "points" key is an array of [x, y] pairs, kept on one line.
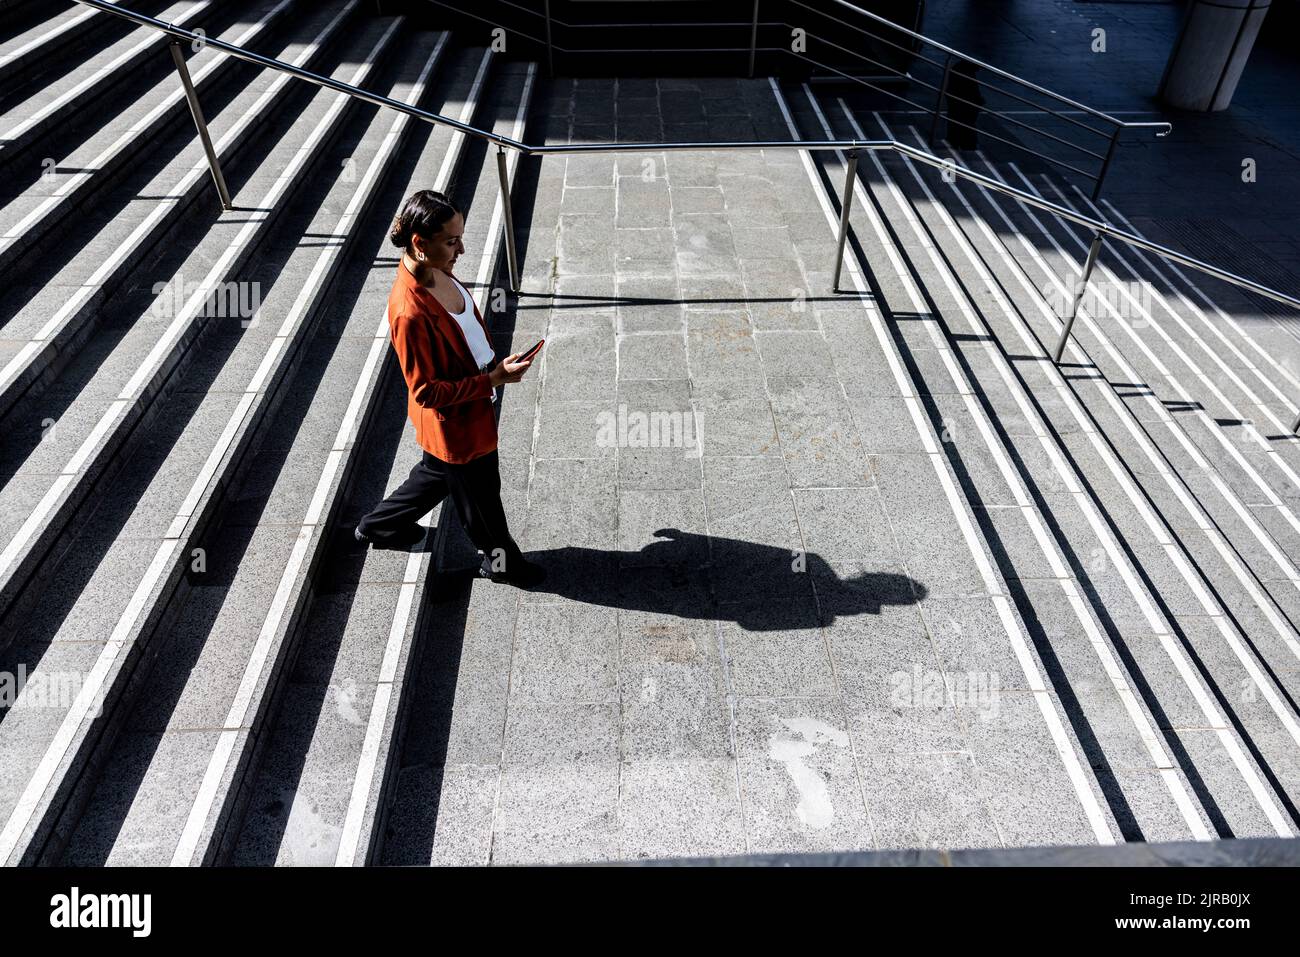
{"points": [[422, 214]]}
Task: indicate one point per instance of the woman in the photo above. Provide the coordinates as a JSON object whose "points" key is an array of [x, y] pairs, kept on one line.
{"points": [[451, 375]]}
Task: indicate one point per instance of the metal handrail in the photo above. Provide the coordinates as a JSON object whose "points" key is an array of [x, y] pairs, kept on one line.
{"points": [[942, 92], [1096, 178], [1099, 227], [946, 66]]}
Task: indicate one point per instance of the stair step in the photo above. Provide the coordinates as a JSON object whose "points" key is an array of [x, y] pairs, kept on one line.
{"points": [[294, 548], [17, 16], [129, 231], [196, 684], [33, 51], [1245, 462], [372, 390], [1239, 413], [1201, 498], [375, 784], [1265, 344], [1131, 606]]}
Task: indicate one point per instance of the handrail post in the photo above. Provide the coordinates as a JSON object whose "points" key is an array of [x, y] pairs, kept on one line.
{"points": [[512, 253], [1088, 263], [550, 57], [845, 204], [196, 111], [753, 39], [1105, 164], [938, 103]]}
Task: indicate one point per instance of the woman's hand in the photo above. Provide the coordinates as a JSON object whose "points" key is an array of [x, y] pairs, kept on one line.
{"points": [[508, 370]]}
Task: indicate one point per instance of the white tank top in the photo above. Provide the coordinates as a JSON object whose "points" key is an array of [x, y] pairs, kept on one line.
{"points": [[472, 329]]}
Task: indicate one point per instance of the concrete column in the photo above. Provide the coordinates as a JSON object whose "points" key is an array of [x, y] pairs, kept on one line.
{"points": [[1210, 53]]}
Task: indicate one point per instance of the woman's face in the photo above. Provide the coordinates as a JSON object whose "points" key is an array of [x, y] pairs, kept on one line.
{"points": [[442, 251]]}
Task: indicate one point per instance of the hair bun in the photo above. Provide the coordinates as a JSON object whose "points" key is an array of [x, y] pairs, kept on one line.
{"points": [[397, 234]]}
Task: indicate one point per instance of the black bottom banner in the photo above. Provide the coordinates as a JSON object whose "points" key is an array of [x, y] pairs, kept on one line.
{"points": [[958, 896]]}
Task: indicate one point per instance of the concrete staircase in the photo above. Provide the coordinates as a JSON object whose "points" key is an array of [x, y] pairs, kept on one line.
{"points": [[1171, 569], [163, 549], [907, 585]]}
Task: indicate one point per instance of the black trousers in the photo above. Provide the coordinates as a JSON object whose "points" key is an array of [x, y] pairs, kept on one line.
{"points": [[475, 489]]}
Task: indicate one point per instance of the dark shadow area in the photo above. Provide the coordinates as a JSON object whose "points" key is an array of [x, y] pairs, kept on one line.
{"points": [[416, 786], [677, 573]]}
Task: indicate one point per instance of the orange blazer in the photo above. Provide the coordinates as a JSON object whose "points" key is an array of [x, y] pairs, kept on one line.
{"points": [[450, 400]]}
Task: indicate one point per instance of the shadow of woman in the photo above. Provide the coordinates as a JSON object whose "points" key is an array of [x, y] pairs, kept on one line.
{"points": [[759, 587]]}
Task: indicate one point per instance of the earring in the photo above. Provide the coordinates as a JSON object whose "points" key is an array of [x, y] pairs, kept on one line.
{"points": [[419, 256]]}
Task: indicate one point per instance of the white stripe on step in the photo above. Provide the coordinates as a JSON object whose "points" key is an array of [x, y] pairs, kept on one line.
{"points": [[163, 206], [1225, 317], [46, 36], [307, 297], [67, 735], [1200, 414], [1216, 538]]}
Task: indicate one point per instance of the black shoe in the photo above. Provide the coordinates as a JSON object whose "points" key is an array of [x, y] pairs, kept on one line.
{"points": [[519, 572], [402, 539]]}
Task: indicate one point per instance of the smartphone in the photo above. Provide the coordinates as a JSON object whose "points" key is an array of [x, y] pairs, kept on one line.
{"points": [[531, 352]]}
